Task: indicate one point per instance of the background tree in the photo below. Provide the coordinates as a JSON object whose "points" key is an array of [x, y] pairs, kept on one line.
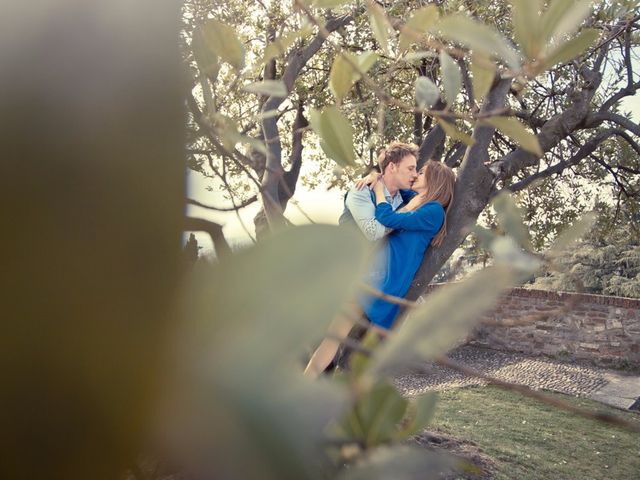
{"points": [[606, 262]]}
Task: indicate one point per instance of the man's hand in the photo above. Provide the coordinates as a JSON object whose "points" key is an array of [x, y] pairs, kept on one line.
{"points": [[370, 179]]}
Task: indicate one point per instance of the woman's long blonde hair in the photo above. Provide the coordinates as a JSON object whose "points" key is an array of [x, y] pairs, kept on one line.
{"points": [[440, 181]]}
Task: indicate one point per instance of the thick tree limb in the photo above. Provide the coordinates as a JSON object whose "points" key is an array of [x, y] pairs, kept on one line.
{"points": [[599, 117], [431, 143], [453, 158], [213, 229], [587, 149], [622, 93], [295, 159], [554, 130], [247, 202], [274, 172], [472, 193], [287, 186]]}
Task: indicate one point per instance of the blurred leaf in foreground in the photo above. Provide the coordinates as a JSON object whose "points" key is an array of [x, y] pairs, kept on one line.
{"points": [[253, 317], [400, 462], [444, 318], [572, 234], [510, 219], [92, 184]]}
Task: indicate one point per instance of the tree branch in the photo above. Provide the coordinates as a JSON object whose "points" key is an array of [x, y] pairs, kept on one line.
{"points": [[213, 229], [295, 159], [274, 172], [247, 202], [211, 135], [599, 117], [542, 397], [432, 142], [554, 130], [454, 157], [587, 149], [623, 92]]}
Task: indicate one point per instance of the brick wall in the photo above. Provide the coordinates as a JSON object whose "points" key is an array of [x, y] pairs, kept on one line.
{"points": [[597, 327]]}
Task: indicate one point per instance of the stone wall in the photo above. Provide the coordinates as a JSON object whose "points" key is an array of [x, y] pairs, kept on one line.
{"points": [[599, 328]]}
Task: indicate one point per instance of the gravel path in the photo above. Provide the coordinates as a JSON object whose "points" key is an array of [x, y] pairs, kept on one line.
{"points": [[535, 372]]}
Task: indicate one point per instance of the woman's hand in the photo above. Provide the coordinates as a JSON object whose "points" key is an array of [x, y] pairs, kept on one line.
{"points": [[416, 202], [378, 189], [378, 186], [370, 179]]}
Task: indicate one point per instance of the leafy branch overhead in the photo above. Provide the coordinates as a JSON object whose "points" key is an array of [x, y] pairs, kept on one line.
{"points": [[510, 93], [541, 36]]}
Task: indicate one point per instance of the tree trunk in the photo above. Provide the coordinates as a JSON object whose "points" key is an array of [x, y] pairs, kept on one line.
{"points": [[472, 194]]}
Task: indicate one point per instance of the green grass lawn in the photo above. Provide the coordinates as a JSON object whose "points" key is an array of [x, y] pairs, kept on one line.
{"points": [[530, 440]]}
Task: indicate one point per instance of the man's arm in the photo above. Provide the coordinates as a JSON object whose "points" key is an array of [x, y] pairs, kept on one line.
{"points": [[363, 211]]}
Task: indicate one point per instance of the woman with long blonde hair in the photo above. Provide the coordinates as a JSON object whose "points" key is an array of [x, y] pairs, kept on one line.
{"points": [[421, 223]]}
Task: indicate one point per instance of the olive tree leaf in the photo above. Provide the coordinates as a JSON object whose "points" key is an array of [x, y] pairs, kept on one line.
{"points": [[510, 218], [427, 92], [270, 88], [563, 17], [377, 413], [571, 49], [526, 26], [515, 130], [452, 131], [226, 128], [343, 76], [572, 234], [444, 318], [419, 412], [400, 462], [380, 26], [451, 77], [485, 236], [266, 302], [256, 144], [248, 322], [328, 3], [336, 134], [359, 361], [418, 24], [280, 45], [478, 36], [224, 42], [483, 72], [205, 57], [507, 252]]}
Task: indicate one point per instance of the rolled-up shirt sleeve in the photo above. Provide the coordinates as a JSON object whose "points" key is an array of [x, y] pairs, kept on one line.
{"points": [[363, 211]]}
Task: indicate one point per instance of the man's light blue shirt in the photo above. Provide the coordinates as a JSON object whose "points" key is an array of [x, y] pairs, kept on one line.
{"points": [[363, 210]]}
